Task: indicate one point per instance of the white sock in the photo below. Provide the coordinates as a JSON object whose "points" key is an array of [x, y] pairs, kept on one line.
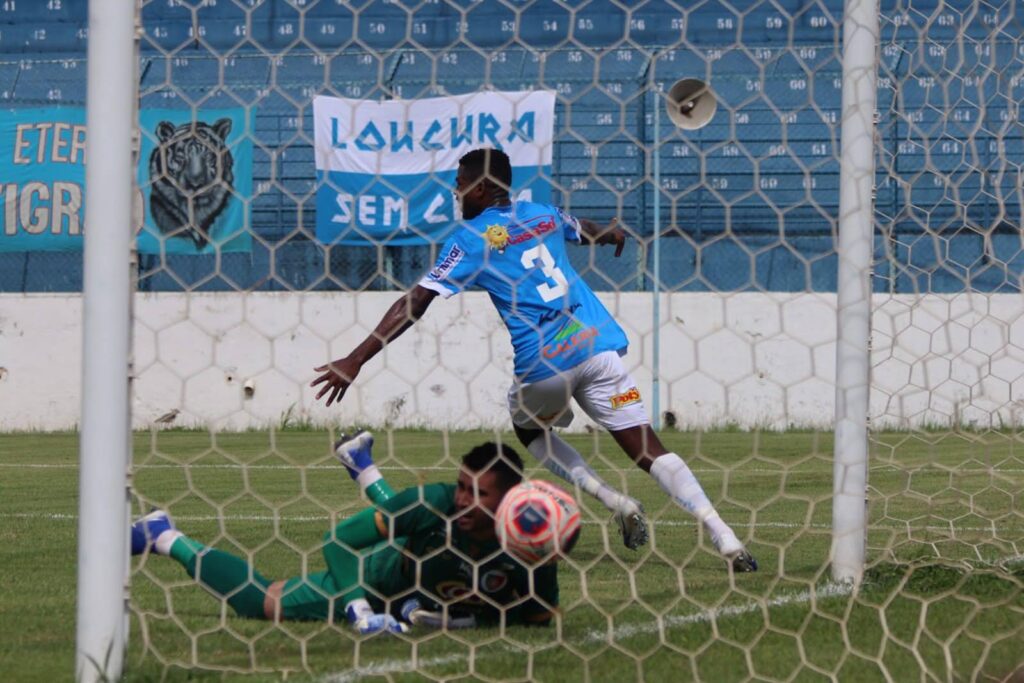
{"points": [[717, 528], [370, 475], [676, 479], [162, 544], [564, 461]]}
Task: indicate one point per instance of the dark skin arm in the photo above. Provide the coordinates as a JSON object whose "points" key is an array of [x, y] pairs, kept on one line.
{"points": [[604, 234], [337, 375]]}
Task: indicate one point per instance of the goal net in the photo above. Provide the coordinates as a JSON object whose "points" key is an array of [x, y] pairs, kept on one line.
{"points": [[271, 245]]}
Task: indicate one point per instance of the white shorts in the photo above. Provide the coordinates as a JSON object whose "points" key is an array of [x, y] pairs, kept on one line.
{"points": [[601, 385]]}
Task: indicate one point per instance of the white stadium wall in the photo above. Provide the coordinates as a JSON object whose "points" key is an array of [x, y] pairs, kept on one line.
{"points": [[237, 361]]}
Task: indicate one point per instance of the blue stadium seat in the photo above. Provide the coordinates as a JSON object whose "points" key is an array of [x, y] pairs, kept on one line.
{"points": [[622, 63], [246, 69], [51, 81], [599, 23], [543, 25]]}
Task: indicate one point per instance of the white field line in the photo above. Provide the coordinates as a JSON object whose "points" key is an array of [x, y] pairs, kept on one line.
{"points": [[630, 471], [70, 516], [595, 636]]}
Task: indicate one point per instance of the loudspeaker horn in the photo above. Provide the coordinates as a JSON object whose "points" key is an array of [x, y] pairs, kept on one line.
{"points": [[691, 104]]}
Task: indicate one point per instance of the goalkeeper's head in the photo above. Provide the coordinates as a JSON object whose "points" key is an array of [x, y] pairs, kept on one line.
{"points": [[484, 179], [487, 472]]}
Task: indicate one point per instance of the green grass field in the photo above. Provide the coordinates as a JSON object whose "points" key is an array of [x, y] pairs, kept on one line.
{"points": [[943, 600]]}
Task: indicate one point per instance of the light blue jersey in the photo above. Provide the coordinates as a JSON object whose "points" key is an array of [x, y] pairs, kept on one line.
{"points": [[517, 254]]}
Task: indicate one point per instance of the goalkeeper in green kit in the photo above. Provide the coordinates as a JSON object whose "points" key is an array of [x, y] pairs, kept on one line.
{"points": [[441, 533]]}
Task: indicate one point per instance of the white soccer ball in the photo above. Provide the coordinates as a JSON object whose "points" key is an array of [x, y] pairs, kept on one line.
{"points": [[537, 521]]}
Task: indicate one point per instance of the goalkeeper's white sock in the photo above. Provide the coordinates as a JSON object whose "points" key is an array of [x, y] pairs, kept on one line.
{"points": [[162, 543], [564, 461], [676, 479]]}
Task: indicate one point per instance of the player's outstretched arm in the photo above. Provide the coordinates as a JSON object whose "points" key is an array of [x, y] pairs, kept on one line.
{"points": [[337, 375], [604, 234], [344, 547]]}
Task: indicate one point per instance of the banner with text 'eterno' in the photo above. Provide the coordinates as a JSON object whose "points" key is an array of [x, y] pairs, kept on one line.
{"points": [[386, 170], [43, 190]]}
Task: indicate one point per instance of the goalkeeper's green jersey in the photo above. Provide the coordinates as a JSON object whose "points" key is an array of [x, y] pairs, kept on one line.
{"points": [[470, 577]]}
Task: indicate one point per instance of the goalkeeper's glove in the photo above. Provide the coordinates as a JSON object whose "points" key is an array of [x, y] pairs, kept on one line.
{"points": [[366, 622], [413, 612]]}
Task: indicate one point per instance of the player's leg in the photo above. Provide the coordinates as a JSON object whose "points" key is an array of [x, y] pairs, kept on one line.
{"points": [[538, 406], [303, 598], [225, 575], [356, 453], [608, 393], [678, 481]]}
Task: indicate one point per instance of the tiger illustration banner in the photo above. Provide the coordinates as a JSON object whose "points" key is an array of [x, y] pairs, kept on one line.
{"points": [[195, 173], [385, 169]]}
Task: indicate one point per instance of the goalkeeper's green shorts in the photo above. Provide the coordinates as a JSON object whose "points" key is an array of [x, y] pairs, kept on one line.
{"points": [[308, 598]]}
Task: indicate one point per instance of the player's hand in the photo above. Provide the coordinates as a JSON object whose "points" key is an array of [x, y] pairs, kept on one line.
{"points": [[336, 377], [612, 234]]}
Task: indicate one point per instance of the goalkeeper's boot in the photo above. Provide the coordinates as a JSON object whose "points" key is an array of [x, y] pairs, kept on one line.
{"points": [[148, 529], [355, 452], [632, 523], [732, 549]]}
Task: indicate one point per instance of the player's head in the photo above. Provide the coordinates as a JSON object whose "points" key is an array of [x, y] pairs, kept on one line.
{"points": [[487, 472], [484, 179]]}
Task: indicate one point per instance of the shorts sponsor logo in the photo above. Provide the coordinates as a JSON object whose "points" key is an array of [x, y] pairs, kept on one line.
{"points": [[631, 395], [441, 270], [568, 343]]}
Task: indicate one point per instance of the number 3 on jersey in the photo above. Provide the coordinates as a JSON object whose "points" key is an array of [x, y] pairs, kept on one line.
{"points": [[547, 290]]}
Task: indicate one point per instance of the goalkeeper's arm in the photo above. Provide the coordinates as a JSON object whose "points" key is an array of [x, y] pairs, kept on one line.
{"points": [[406, 513], [344, 549]]}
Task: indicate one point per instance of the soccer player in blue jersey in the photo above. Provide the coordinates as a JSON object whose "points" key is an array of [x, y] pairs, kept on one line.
{"points": [[567, 346]]}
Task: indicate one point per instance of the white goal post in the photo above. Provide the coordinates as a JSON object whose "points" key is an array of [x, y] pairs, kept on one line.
{"points": [[105, 441], [853, 290]]}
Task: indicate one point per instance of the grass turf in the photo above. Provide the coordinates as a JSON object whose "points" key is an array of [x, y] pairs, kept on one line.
{"points": [[943, 599]]}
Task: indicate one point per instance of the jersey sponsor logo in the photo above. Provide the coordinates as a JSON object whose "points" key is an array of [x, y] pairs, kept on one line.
{"points": [[552, 315], [497, 237], [631, 395], [456, 591], [540, 228], [493, 581], [563, 345], [441, 270], [569, 328]]}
